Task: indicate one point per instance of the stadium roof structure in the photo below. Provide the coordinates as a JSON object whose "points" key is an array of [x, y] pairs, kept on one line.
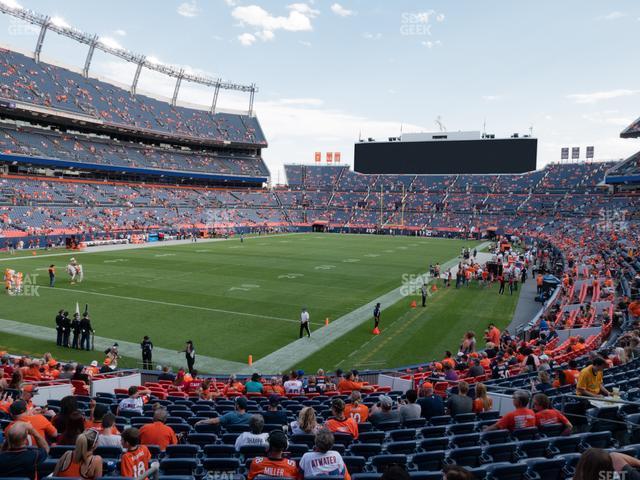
{"points": [[93, 41], [632, 131]]}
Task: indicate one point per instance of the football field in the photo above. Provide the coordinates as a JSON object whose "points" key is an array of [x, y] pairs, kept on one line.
{"points": [[238, 299]]}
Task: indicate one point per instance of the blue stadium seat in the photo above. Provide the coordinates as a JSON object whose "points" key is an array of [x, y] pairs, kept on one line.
{"points": [[466, 440], [211, 464], [597, 440], [414, 423], [534, 448], [109, 452], [530, 433], [178, 466], [405, 448], [250, 451], [387, 426], [403, 434], [182, 451], [307, 438], [508, 471], [219, 451], [201, 439], [57, 451], [466, 457], [430, 444], [495, 436], [380, 462], [434, 431], [366, 450], [552, 430], [440, 420], [561, 445], [425, 475], [547, 468], [461, 428], [501, 452], [429, 461], [355, 464]]}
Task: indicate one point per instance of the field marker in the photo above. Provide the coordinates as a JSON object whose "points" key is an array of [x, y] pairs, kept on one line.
{"points": [[180, 305], [116, 260], [291, 275], [350, 260], [165, 255], [319, 267], [371, 255]]}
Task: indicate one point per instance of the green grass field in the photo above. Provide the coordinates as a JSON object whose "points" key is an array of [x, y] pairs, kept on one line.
{"points": [[236, 299]]}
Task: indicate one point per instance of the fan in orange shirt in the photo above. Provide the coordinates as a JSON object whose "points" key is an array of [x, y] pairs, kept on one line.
{"points": [[545, 415], [339, 422], [274, 464], [356, 409], [347, 384], [274, 388], [135, 461], [157, 433]]}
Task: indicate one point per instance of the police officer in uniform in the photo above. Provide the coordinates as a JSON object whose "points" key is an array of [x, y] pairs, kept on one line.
{"points": [[59, 329], [66, 329], [147, 347], [423, 292], [75, 329], [85, 332]]}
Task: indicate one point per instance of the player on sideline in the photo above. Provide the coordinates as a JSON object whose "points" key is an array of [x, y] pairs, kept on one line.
{"points": [[376, 315], [304, 322]]}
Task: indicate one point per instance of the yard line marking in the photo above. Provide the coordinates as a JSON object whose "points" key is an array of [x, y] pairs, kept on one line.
{"points": [[180, 305], [164, 356], [298, 350]]}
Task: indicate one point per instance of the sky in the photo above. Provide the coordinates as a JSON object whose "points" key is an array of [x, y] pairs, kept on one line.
{"points": [[329, 72]]}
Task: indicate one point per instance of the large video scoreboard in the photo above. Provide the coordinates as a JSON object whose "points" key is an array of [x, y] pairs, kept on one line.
{"points": [[437, 157]]}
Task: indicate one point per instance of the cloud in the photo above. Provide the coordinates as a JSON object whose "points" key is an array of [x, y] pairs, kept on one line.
{"points": [[231, 3], [615, 15], [59, 21], [600, 96], [120, 32], [491, 98], [12, 4], [110, 42], [265, 35], [310, 102], [304, 43], [298, 20], [431, 44], [440, 17], [372, 36], [608, 117], [188, 9], [246, 39], [341, 11]]}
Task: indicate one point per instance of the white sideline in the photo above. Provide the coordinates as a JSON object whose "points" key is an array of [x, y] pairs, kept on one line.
{"points": [[162, 356], [181, 305], [134, 246], [298, 350]]}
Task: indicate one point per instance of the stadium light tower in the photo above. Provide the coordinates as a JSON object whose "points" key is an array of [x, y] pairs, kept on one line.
{"points": [[136, 76], [216, 91], [87, 61], [177, 88], [62, 28], [43, 31]]}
